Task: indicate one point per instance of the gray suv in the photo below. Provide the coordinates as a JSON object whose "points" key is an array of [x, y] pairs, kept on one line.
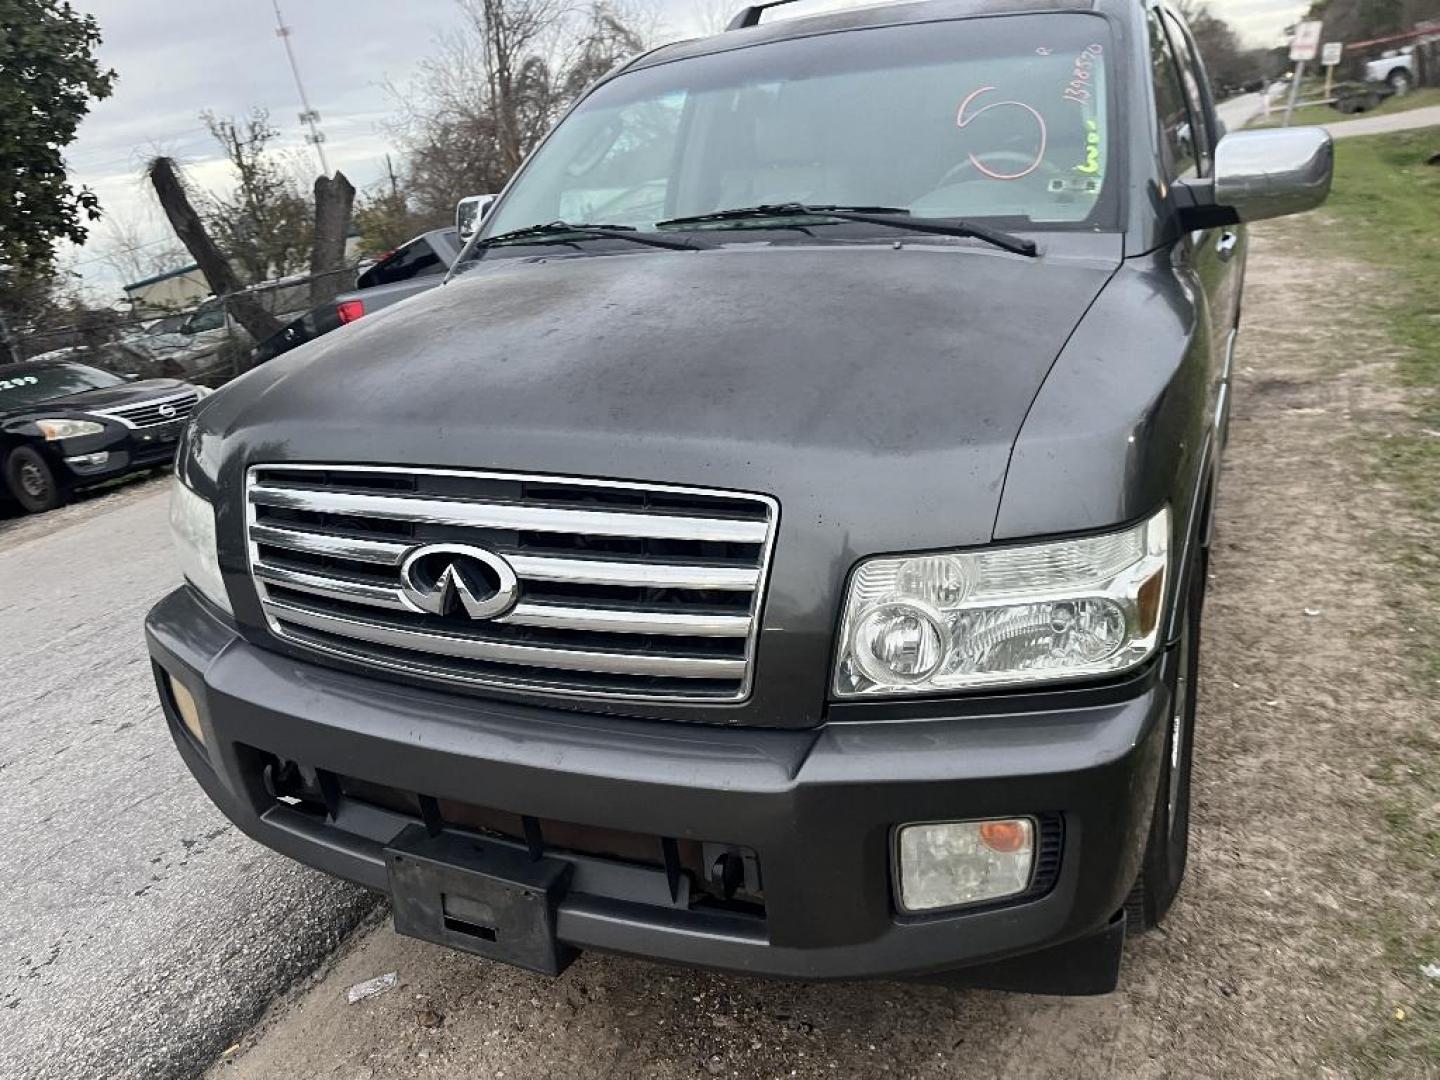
{"points": [[780, 545]]}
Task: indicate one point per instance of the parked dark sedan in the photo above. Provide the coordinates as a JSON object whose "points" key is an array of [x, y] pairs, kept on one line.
{"points": [[65, 425]]}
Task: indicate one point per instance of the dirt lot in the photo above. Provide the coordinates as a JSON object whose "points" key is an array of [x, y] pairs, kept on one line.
{"points": [[1279, 957]]}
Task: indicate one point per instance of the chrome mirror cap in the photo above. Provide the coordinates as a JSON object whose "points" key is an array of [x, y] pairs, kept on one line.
{"points": [[469, 212], [1266, 174]]}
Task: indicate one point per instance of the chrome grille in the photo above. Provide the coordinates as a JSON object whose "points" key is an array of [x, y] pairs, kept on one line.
{"points": [[154, 413], [624, 590]]}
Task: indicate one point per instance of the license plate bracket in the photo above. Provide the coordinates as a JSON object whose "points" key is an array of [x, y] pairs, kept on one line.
{"points": [[480, 897]]}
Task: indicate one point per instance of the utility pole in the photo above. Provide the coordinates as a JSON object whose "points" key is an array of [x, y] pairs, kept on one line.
{"points": [[394, 180], [309, 117]]}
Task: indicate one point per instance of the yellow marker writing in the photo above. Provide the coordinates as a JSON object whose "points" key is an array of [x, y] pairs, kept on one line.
{"points": [[1092, 149]]}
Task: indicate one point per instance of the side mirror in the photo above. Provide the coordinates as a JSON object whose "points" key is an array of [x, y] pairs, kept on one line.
{"points": [[1261, 174], [469, 212]]}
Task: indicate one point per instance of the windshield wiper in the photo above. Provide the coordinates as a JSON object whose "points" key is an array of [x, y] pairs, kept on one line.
{"points": [[896, 217], [557, 231]]}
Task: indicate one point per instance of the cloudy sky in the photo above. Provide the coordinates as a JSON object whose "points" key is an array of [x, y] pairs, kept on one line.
{"points": [[175, 59]]}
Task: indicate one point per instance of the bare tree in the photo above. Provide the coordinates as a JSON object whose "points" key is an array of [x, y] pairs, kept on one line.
{"points": [[265, 223], [131, 256], [334, 199], [607, 38], [715, 15], [512, 35], [492, 90], [190, 228]]}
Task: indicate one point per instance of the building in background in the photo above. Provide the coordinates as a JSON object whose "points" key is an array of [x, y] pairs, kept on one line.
{"points": [[174, 290]]}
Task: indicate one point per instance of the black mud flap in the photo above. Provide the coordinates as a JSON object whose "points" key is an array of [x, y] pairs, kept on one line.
{"points": [[1087, 966], [479, 897]]}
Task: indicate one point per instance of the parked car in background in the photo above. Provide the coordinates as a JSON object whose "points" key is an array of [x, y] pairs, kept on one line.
{"points": [[413, 267], [799, 573], [65, 425], [1396, 68]]}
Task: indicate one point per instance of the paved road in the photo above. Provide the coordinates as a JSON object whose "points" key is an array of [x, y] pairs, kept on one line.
{"points": [[139, 932], [1379, 125], [1238, 111]]}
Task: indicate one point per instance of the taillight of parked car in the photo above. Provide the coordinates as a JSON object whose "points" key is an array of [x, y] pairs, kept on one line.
{"points": [[349, 310]]}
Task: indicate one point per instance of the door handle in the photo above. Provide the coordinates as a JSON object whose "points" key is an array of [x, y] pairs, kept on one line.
{"points": [[1225, 248]]}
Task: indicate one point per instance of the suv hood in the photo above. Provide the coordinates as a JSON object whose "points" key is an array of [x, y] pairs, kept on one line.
{"points": [[856, 383]]}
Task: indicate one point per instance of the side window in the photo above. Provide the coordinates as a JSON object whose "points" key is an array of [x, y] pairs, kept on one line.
{"points": [[1192, 79], [1174, 114], [204, 320], [415, 259]]}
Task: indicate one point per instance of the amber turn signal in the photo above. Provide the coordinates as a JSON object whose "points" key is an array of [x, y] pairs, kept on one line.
{"points": [[1005, 837]]}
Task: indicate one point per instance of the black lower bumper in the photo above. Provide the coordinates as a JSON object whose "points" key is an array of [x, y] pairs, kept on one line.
{"points": [[817, 807], [122, 453]]}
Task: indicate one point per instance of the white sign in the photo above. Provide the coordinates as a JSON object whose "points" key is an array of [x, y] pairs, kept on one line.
{"points": [[1333, 51], [1306, 44]]}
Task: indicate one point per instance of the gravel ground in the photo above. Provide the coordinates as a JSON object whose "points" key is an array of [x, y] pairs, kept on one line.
{"points": [[140, 932], [1272, 963]]}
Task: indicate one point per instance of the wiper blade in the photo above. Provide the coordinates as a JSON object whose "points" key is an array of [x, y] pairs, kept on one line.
{"points": [[770, 210], [896, 217], [559, 229]]}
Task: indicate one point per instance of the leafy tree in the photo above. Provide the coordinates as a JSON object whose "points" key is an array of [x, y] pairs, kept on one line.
{"points": [[386, 220], [1362, 20], [1229, 64], [48, 77]]}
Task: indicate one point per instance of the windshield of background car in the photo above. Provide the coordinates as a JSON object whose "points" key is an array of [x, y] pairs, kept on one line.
{"points": [[34, 385], [1002, 118]]}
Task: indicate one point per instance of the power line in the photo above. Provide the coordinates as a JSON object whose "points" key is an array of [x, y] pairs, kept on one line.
{"points": [[109, 255]]}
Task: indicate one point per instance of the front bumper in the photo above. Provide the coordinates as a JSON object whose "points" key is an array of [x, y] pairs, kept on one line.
{"points": [[125, 450], [817, 807]]}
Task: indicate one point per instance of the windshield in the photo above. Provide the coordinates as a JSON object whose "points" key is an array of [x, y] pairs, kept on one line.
{"points": [[1002, 119], [34, 385]]}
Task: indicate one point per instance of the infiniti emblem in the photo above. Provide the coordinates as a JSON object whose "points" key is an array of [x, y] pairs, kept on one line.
{"points": [[438, 578]]}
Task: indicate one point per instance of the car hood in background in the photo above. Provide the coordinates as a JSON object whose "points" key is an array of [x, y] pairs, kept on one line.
{"points": [[107, 398]]}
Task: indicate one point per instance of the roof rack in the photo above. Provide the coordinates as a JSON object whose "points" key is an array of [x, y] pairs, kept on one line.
{"points": [[750, 16]]}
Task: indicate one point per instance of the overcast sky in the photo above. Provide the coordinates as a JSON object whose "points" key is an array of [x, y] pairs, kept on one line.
{"points": [[175, 59]]}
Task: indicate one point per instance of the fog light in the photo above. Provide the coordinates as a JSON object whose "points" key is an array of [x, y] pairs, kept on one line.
{"points": [[186, 707], [954, 863], [89, 461]]}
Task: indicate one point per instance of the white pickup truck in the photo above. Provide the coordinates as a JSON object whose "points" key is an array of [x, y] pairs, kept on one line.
{"points": [[1396, 67]]}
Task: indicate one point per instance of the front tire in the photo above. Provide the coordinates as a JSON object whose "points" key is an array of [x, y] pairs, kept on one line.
{"points": [[1168, 847], [32, 481], [1400, 81]]}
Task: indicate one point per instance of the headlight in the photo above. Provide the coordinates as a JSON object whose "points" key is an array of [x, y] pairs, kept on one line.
{"points": [[1066, 609], [192, 526], [68, 429]]}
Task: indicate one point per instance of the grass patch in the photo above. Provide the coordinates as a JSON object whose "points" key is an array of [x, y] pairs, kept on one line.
{"points": [[1324, 114], [1387, 204]]}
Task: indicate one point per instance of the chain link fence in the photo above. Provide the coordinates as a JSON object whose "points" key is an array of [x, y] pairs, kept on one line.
{"points": [[204, 344]]}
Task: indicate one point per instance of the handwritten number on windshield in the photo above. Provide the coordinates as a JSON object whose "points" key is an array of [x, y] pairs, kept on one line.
{"points": [[964, 117]]}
